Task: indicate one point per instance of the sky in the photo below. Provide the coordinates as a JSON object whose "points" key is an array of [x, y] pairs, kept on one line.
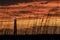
{"points": [[20, 9], [9, 2]]}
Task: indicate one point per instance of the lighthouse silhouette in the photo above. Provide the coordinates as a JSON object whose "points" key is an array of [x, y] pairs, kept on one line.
{"points": [[15, 26]]}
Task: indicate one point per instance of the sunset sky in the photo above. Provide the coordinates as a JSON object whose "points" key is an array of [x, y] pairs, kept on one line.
{"points": [[7, 2], [22, 8]]}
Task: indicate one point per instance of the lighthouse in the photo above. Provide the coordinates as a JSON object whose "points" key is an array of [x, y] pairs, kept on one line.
{"points": [[15, 26]]}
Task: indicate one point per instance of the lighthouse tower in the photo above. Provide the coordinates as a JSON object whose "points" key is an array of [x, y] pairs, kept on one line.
{"points": [[15, 26]]}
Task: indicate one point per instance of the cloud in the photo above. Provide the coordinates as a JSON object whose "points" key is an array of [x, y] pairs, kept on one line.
{"points": [[25, 12]]}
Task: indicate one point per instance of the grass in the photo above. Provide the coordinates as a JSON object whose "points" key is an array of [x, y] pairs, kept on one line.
{"points": [[33, 30], [33, 26], [39, 30], [6, 31]]}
